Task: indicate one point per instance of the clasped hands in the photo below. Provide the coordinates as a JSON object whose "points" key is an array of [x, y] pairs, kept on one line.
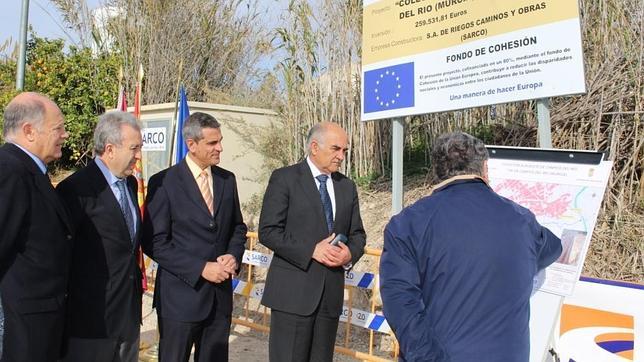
{"points": [[220, 270], [331, 255]]}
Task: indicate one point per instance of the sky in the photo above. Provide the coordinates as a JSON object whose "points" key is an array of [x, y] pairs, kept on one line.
{"points": [[43, 18], [46, 21]]}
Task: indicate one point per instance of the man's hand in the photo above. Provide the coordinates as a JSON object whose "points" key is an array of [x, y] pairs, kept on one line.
{"points": [[345, 255], [216, 272], [330, 255], [229, 261]]}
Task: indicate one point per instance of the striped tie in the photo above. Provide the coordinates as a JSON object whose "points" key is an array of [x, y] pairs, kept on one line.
{"points": [[205, 190]]}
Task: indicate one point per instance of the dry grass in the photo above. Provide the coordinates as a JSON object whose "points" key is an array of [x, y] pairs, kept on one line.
{"points": [[617, 251]]}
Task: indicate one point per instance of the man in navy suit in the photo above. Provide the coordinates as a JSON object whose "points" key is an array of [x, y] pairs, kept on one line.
{"points": [[194, 229], [104, 306], [35, 240], [457, 267], [305, 206]]}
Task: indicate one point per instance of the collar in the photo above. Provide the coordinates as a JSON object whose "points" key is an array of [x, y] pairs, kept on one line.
{"points": [[456, 179], [109, 176], [314, 169], [41, 165], [195, 170]]}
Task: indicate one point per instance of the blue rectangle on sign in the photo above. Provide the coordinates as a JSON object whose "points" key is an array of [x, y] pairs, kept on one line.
{"points": [[376, 322], [365, 280], [389, 88]]}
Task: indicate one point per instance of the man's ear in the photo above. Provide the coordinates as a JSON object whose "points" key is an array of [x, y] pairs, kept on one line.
{"points": [[484, 174], [191, 144], [109, 150], [28, 131], [315, 147]]}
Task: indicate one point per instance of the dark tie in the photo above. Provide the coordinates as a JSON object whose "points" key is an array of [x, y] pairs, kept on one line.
{"points": [[125, 208], [326, 201]]}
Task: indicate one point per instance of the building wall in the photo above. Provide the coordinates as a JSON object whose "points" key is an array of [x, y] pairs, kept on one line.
{"points": [[238, 156]]}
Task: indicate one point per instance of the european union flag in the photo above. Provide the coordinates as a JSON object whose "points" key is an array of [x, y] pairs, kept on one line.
{"points": [[389, 88]]}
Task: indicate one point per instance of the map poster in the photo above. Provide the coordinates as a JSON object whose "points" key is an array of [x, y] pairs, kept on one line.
{"points": [[565, 198], [425, 56]]}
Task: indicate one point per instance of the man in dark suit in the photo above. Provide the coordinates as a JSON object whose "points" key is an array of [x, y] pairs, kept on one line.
{"points": [[35, 240], [457, 266], [195, 231], [104, 305], [305, 206]]}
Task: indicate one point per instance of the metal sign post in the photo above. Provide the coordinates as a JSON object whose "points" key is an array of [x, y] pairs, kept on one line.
{"points": [[544, 131], [397, 146], [22, 54]]}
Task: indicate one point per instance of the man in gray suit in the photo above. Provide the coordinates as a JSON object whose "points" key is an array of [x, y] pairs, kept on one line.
{"points": [[305, 206]]}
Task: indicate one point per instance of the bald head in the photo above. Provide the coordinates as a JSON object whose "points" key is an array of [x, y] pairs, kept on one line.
{"points": [[35, 122], [25, 107], [326, 146], [319, 132]]}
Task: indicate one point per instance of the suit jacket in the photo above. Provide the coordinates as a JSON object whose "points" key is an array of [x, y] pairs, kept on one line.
{"points": [[291, 223], [181, 235], [456, 275], [105, 284], [35, 240]]}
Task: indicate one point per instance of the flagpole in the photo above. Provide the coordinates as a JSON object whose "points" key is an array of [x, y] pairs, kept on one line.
{"points": [[138, 171], [118, 99], [173, 151], [137, 114]]}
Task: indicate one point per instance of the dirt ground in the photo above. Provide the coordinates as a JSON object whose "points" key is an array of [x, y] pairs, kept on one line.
{"points": [[246, 345]]}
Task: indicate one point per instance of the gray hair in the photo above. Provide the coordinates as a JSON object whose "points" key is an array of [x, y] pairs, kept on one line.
{"points": [[315, 134], [108, 129], [195, 123], [20, 111], [455, 154]]}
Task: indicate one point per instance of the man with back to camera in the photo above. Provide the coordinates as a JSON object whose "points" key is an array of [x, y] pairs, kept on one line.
{"points": [[457, 268], [305, 206], [35, 241], [104, 307], [194, 230]]}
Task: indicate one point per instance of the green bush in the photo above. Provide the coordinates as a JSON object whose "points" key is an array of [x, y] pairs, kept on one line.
{"points": [[83, 85]]}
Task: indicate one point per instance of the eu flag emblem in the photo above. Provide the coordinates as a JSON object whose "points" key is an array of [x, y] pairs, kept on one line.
{"points": [[389, 88]]}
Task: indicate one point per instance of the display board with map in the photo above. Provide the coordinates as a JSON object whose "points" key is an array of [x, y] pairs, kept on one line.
{"points": [[565, 198], [564, 189]]}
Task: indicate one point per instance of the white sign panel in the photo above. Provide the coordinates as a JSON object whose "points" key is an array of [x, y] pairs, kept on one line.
{"points": [[154, 139], [424, 56], [603, 321]]}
